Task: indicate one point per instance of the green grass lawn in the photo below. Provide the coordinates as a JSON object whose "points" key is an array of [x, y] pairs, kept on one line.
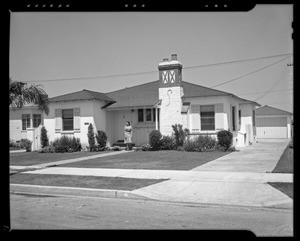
{"points": [[34, 158], [116, 183], [285, 165], [286, 162], [154, 160]]}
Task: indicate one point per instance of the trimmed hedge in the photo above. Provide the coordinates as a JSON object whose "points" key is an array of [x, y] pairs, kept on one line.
{"points": [[66, 144], [154, 139], [225, 139], [101, 139]]}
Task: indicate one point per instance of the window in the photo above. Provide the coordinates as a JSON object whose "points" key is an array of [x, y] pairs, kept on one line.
{"points": [[233, 117], [140, 115], [253, 117], [240, 117], [154, 114], [67, 120], [37, 119], [207, 114], [25, 121], [148, 114]]}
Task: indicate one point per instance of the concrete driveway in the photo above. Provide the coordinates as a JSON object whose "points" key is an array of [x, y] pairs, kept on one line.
{"points": [[234, 179], [260, 157]]}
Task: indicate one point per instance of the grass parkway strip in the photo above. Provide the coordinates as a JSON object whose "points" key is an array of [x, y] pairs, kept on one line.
{"points": [[115, 183]]}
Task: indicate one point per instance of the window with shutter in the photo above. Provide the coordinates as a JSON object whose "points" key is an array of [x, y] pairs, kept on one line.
{"points": [[77, 119], [58, 120], [195, 118]]}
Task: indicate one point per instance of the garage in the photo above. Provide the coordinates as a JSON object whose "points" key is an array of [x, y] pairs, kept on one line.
{"points": [[272, 123]]}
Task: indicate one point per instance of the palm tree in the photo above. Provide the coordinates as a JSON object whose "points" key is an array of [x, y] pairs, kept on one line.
{"points": [[20, 94]]}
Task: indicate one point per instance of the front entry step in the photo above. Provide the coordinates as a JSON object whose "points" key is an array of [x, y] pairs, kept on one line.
{"points": [[122, 144]]}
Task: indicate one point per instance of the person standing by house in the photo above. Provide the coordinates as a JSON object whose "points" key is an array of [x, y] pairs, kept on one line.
{"points": [[128, 134]]}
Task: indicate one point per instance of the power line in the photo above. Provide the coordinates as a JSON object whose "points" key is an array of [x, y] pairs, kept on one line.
{"points": [[150, 72], [253, 72], [282, 77], [264, 92]]}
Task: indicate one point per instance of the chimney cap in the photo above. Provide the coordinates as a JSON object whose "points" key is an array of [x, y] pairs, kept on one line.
{"points": [[174, 57]]}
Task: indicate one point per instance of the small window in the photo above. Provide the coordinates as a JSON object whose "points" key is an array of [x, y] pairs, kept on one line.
{"points": [[253, 117], [148, 114], [233, 118], [240, 117], [68, 119], [207, 114], [37, 119], [25, 121], [154, 114], [140, 115]]}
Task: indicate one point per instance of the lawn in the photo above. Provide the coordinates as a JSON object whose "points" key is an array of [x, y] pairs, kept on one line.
{"points": [[115, 183], [286, 162], [285, 165], [34, 158], [154, 160]]}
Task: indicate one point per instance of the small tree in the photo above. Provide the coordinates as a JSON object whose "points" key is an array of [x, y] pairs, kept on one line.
{"points": [[225, 139], [179, 135], [101, 139], [91, 137], [44, 137], [154, 139]]}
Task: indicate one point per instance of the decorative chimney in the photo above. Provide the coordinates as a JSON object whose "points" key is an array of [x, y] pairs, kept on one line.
{"points": [[170, 94], [170, 72]]}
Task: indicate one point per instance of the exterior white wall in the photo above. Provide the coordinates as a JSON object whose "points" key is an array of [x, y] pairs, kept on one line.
{"points": [[118, 120], [221, 118], [87, 116], [15, 122], [170, 109]]}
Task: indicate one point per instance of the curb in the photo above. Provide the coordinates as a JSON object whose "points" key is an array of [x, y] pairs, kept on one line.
{"points": [[284, 204], [73, 191]]}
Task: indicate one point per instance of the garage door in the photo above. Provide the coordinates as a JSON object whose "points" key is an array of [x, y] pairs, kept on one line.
{"points": [[271, 127]]}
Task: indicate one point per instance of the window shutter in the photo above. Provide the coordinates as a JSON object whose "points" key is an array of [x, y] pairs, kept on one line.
{"points": [[58, 120], [219, 116], [76, 119], [195, 118]]}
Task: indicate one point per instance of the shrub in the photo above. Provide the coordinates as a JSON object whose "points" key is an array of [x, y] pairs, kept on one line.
{"points": [[192, 145], [179, 135], [154, 139], [116, 148], [44, 137], [26, 144], [206, 142], [167, 143], [101, 139], [91, 137], [67, 144], [225, 139], [15, 144], [146, 147]]}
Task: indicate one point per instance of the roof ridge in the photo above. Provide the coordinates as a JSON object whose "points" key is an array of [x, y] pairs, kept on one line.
{"points": [[65, 94], [131, 87], [207, 87], [275, 108]]}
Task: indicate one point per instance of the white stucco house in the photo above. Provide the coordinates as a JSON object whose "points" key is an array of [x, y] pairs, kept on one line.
{"points": [[273, 123], [154, 105]]}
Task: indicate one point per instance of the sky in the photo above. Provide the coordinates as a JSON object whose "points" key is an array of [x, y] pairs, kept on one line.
{"points": [[67, 51]]}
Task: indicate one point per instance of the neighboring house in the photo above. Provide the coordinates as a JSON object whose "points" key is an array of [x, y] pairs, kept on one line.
{"points": [[155, 105], [273, 123]]}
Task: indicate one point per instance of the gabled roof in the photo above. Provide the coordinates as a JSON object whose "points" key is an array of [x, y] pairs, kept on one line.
{"points": [[268, 110], [82, 95], [146, 95]]}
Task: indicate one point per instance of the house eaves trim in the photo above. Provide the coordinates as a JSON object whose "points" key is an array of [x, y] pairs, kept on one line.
{"points": [[130, 107]]}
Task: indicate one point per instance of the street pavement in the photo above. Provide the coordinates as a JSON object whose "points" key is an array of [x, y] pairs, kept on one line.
{"points": [[239, 178]]}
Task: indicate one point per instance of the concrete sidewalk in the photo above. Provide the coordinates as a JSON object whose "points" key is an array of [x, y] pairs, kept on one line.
{"points": [[238, 178]]}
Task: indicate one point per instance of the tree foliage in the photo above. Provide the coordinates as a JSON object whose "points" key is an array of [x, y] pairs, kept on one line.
{"points": [[21, 94]]}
